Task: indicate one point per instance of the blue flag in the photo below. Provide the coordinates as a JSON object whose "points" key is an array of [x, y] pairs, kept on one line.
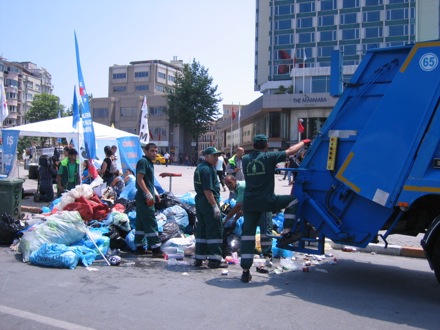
{"points": [[89, 132], [76, 117]]}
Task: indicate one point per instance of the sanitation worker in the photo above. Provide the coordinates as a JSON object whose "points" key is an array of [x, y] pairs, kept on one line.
{"points": [[209, 229], [259, 197], [146, 195]]}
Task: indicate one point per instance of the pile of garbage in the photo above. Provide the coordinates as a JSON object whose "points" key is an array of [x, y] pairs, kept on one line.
{"points": [[79, 228]]}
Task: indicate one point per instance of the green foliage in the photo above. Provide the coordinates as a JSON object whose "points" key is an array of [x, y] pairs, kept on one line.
{"points": [[193, 102], [44, 107]]}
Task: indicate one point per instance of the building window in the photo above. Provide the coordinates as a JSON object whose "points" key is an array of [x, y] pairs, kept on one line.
{"points": [[12, 95], [12, 108], [373, 2], [119, 89], [328, 35], [326, 20], [141, 87], [348, 50], [394, 14], [304, 22], [284, 39], [141, 74], [350, 34], [312, 127], [398, 1], [156, 111], [307, 7], [325, 51], [371, 16], [328, 4], [119, 75], [160, 88], [161, 75], [306, 37], [284, 10], [350, 3], [348, 18], [285, 24], [129, 112], [320, 84], [100, 113], [373, 32], [171, 78]]}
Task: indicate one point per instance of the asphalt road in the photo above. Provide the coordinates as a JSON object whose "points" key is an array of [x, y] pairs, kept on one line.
{"points": [[359, 290]]}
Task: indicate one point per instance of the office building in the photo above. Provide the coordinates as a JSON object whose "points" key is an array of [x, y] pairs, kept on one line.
{"points": [[128, 84], [294, 42]]}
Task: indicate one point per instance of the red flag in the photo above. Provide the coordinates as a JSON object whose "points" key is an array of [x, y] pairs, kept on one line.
{"points": [[300, 126], [151, 135], [233, 114], [284, 55]]}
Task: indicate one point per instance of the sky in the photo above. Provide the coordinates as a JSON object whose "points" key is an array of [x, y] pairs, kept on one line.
{"points": [[219, 34]]}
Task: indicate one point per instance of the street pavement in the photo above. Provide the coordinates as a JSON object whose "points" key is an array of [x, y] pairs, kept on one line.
{"points": [[397, 244]]}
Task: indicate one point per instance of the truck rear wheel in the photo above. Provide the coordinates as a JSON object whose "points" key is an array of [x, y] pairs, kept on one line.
{"points": [[436, 259]]}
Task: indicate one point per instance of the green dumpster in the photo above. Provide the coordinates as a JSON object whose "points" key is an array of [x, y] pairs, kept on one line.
{"points": [[10, 196]]}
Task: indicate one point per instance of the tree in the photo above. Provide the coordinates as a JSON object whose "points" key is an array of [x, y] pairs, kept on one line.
{"points": [[193, 102], [44, 107]]}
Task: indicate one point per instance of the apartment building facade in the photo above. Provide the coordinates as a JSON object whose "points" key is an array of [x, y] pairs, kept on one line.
{"points": [[22, 81]]}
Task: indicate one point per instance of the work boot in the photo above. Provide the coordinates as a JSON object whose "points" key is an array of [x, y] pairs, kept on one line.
{"points": [[246, 276], [197, 263], [262, 270], [289, 238], [140, 251], [217, 264], [157, 253]]}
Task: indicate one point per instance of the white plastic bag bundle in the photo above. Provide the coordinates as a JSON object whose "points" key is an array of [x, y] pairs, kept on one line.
{"points": [[70, 196], [65, 227]]}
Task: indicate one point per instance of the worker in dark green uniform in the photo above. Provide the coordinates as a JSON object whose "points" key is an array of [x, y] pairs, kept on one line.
{"points": [[259, 197], [209, 229], [146, 196]]}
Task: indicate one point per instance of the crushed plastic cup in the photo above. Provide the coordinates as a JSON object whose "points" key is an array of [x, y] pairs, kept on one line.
{"points": [[289, 264], [172, 262]]}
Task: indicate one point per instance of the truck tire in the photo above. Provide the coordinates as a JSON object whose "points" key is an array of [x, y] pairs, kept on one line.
{"points": [[436, 259]]}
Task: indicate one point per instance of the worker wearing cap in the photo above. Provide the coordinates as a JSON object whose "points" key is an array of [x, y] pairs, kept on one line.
{"points": [[259, 197], [209, 229]]}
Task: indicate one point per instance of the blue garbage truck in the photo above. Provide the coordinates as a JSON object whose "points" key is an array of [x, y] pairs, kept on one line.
{"points": [[375, 164]]}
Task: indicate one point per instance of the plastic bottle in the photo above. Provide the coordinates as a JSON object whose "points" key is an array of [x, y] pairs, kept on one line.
{"points": [[176, 256], [288, 264]]}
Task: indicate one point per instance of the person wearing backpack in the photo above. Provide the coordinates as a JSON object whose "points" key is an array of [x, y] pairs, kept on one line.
{"points": [[106, 167]]}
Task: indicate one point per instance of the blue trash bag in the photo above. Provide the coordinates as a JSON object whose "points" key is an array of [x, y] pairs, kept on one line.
{"points": [[129, 192], [177, 214], [278, 222], [238, 227], [129, 239], [280, 253], [62, 256], [188, 198], [132, 218]]}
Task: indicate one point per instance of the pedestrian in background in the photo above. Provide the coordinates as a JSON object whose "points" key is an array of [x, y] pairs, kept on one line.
{"points": [[220, 167], [209, 229]]}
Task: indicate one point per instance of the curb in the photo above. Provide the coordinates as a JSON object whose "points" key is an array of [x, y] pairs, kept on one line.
{"points": [[392, 250]]}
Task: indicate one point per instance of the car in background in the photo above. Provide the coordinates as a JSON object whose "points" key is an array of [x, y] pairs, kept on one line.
{"points": [[160, 159]]}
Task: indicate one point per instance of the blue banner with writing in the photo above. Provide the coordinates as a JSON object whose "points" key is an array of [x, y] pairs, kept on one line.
{"points": [[10, 141], [130, 152]]}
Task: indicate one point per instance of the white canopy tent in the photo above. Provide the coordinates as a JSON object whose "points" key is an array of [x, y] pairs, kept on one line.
{"points": [[62, 128]]}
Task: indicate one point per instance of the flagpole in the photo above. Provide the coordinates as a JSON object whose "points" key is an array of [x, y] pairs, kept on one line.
{"points": [[239, 128], [304, 71], [230, 138]]}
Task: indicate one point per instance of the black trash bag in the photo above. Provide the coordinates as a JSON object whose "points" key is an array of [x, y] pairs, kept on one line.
{"points": [[129, 205], [170, 229], [9, 227], [117, 238], [167, 200]]}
